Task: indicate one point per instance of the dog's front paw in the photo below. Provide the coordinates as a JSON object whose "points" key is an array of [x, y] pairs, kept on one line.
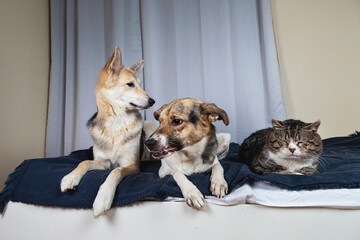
{"points": [[194, 198], [219, 187], [102, 202], [68, 182]]}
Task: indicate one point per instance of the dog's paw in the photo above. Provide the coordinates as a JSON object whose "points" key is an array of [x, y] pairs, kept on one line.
{"points": [[102, 202], [68, 182], [194, 198], [219, 187]]}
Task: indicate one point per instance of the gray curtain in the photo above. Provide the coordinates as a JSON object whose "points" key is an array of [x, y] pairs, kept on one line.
{"points": [[218, 51]]}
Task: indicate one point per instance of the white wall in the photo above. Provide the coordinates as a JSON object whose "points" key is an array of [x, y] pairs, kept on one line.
{"points": [[24, 71], [318, 44]]}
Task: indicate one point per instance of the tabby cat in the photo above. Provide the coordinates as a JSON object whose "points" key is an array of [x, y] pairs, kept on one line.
{"points": [[289, 147]]}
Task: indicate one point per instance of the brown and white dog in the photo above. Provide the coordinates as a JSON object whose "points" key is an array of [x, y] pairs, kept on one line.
{"points": [[186, 143], [116, 129]]}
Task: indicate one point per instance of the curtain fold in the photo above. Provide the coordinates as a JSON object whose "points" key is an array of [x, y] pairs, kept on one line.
{"points": [[218, 51], [84, 34]]}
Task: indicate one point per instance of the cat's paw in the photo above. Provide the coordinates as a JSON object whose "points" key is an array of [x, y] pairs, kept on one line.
{"points": [[219, 187], [285, 172], [70, 181], [194, 198]]}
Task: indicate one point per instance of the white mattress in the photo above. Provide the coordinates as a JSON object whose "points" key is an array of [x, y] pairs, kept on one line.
{"points": [[175, 220]]}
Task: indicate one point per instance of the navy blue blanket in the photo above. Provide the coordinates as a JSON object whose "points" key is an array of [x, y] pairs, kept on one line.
{"points": [[37, 181]]}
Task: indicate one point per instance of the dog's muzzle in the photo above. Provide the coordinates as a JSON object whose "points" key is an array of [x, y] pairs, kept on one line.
{"points": [[150, 102], [153, 144]]}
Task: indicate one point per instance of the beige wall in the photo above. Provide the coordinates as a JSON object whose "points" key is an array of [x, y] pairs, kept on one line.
{"points": [[318, 43], [24, 71]]}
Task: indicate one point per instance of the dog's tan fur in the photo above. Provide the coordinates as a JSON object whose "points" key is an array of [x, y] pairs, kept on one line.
{"points": [[116, 129], [186, 143]]}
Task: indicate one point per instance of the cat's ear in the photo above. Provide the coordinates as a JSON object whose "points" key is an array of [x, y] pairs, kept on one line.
{"points": [[276, 124], [314, 126], [213, 113]]}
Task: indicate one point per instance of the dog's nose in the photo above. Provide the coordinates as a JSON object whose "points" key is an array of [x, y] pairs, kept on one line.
{"points": [[150, 143], [151, 101]]}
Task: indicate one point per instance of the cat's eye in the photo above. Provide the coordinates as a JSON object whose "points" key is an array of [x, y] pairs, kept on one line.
{"points": [[313, 143], [287, 136], [130, 84], [176, 122], [276, 144]]}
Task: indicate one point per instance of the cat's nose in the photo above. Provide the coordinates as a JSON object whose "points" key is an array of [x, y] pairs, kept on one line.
{"points": [[292, 150]]}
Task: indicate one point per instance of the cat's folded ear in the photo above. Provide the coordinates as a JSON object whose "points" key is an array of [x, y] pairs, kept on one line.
{"points": [[313, 126], [276, 124], [213, 113]]}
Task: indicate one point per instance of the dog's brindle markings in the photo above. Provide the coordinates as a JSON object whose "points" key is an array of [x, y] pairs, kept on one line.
{"points": [[116, 129], [93, 122], [186, 143], [211, 147]]}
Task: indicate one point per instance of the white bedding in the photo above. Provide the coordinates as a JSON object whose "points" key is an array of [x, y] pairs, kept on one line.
{"points": [[267, 195], [174, 220]]}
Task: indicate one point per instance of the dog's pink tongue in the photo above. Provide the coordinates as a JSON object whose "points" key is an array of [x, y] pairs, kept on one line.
{"points": [[170, 149]]}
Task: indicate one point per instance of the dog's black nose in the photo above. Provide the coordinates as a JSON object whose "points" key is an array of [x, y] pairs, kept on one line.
{"points": [[150, 143], [151, 101]]}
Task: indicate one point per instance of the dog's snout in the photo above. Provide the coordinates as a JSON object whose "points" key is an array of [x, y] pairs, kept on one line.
{"points": [[150, 143], [151, 101]]}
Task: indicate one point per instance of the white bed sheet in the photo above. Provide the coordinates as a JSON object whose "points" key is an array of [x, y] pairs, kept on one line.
{"points": [[267, 195], [262, 193]]}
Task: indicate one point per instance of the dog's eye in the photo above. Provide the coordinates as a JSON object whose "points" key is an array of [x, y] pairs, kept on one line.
{"points": [[176, 122], [130, 84]]}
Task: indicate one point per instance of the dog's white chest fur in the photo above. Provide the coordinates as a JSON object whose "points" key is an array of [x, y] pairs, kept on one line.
{"points": [[186, 161], [122, 132]]}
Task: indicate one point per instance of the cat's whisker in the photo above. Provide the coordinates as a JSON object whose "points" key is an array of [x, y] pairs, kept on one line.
{"points": [[323, 159], [322, 162]]}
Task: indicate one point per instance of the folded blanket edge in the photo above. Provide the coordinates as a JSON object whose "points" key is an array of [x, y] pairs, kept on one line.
{"points": [[11, 183]]}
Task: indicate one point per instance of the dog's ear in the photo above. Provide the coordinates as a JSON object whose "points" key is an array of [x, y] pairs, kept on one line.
{"points": [[137, 68], [213, 113], [158, 112], [114, 65]]}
